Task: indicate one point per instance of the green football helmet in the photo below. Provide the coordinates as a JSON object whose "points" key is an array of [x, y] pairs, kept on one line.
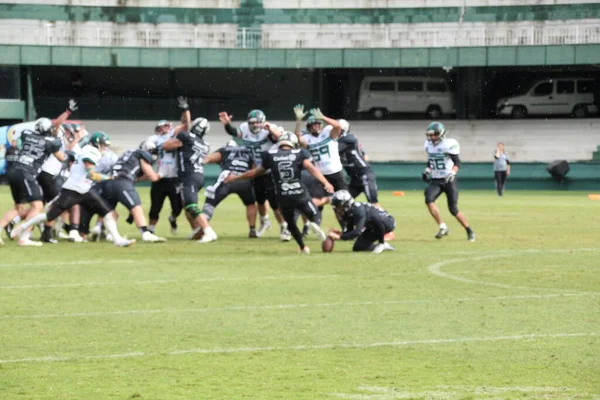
{"points": [[310, 125], [99, 138], [435, 132], [256, 120]]}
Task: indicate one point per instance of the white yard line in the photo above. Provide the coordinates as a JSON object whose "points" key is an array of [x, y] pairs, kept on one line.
{"points": [[294, 306], [167, 281], [336, 346], [436, 269]]}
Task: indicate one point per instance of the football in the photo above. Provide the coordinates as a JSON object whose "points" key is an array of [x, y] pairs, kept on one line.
{"points": [[327, 245]]}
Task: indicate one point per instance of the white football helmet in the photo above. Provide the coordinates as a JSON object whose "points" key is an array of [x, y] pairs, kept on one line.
{"points": [[288, 139], [43, 126], [231, 143], [344, 125], [200, 126]]}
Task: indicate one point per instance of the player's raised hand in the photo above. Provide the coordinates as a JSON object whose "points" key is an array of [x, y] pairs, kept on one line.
{"points": [[316, 112], [299, 112], [225, 118], [72, 107], [182, 103]]}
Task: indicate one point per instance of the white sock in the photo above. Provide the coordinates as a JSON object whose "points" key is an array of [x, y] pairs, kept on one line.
{"points": [[443, 226], [284, 225], [111, 226], [264, 218], [38, 219], [209, 231], [16, 219], [99, 225]]}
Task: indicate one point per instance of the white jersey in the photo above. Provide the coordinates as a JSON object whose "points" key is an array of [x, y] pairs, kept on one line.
{"points": [[53, 165], [106, 162], [14, 132], [438, 157], [78, 178], [65, 171], [166, 165], [256, 143], [324, 151]]}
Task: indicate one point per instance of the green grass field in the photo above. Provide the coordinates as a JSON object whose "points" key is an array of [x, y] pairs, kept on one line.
{"points": [[515, 315]]}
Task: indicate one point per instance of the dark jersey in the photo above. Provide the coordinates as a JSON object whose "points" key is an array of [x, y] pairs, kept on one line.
{"points": [[34, 150], [128, 166], [191, 154], [361, 217], [286, 170], [352, 156], [237, 159]]}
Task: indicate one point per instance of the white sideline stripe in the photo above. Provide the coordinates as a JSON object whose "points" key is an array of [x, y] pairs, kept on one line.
{"points": [[166, 281], [213, 259], [292, 306], [63, 263], [303, 347], [436, 269]]}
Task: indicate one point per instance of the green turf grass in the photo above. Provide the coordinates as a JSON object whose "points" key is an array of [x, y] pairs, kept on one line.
{"points": [[515, 315]]}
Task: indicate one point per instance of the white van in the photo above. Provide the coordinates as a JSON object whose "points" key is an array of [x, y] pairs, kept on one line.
{"points": [[560, 96], [405, 94]]}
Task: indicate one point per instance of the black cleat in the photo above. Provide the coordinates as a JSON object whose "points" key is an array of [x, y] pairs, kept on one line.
{"points": [[173, 223], [443, 232], [8, 229], [471, 236], [252, 234]]}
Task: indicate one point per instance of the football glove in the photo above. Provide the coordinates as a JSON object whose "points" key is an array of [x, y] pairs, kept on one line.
{"points": [[316, 112], [450, 177], [299, 112], [426, 176], [182, 103], [72, 107]]}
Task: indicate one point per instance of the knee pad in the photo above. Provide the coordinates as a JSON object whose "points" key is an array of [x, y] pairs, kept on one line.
{"points": [[208, 210], [193, 210], [453, 210]]}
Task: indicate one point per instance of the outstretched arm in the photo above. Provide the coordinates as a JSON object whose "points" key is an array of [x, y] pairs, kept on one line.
{"points": [[71, 108], [300, 114], [213, 158], [225, 119], [253, 173], [308, 165], [337, 129]]}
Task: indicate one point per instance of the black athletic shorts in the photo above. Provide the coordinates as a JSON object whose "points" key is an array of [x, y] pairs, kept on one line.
{"points": [[366, 184], [91, 201], [121, 190], [191, 185], [24, 186]]}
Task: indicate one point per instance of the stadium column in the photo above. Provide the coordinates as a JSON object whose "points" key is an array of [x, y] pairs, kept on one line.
{"points": [[468, 102]]}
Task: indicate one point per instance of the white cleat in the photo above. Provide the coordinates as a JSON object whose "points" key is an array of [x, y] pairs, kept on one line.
{"points": [[305, 250], [1, 241], [63, 235], [16, 232], [285, 235], [29, 242], [318, 231], [264, 226], [75, 237], [379, 248], [150, 237], [209, 236], [388, 247], [124, 242]]}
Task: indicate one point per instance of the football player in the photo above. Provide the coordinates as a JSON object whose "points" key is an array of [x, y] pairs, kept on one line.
{"points": [[236, 160], [168, 185], [443, 164], [191, 151], [132, 165], [321, 142], [78, 190], [286, 163], [258, 139], [362, 178], [362, 222]]}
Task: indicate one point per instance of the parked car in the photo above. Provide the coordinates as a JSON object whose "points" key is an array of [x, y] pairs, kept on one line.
{"points": [[560, 96], [382, 95]]}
